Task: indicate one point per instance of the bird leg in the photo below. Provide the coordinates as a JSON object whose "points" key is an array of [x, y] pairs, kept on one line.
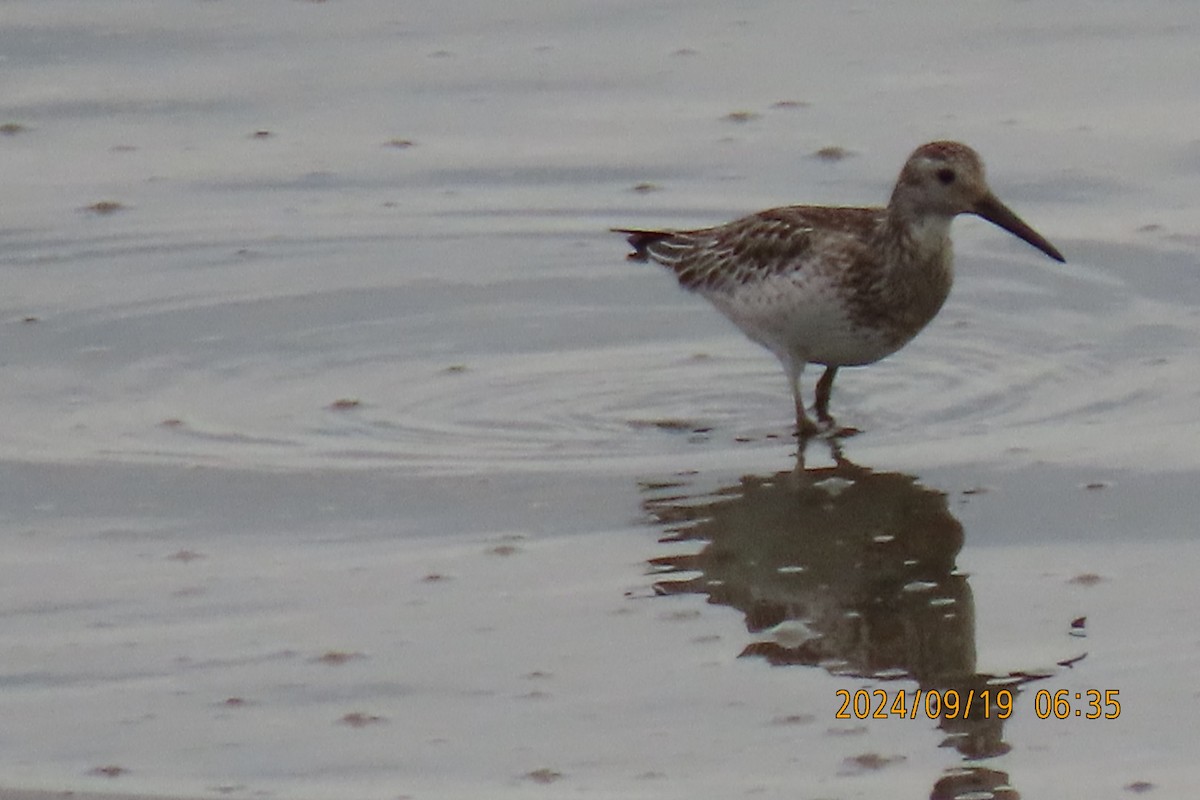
{"points": [[824, 389], [805, 427]]}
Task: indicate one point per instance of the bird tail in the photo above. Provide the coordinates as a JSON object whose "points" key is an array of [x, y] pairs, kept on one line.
{"points": [[640, 241]]}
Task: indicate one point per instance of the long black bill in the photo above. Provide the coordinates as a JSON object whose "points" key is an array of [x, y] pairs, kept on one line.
{"points": [[997, 213]]}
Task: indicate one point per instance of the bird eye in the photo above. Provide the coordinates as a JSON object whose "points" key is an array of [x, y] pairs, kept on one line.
{"points": [[945, 175]]}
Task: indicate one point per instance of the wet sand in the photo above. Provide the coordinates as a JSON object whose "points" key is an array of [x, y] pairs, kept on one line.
{"points": [[343, 454]]}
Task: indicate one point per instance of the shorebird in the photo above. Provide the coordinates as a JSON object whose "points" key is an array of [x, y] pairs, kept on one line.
{"points": [[838, 286]]}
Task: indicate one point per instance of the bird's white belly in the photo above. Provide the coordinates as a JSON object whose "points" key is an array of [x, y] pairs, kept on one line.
{"points": [[803, 320]]}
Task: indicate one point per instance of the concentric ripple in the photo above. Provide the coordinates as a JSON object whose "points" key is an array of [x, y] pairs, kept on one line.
{"points": [[615, 370], [559, 410]]}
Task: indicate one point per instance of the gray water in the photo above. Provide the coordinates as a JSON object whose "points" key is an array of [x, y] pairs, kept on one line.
{"points": [[339, 439]]}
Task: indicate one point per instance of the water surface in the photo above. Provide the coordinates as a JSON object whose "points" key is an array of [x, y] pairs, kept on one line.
{"points": [[343, 454]]}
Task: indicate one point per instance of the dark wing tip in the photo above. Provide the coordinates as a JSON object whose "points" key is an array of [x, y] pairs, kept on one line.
{"points": [[641, 240]]}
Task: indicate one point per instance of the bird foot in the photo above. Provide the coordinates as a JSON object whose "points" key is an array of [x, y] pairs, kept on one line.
{"points": [[806, 429], [829, 429], [841, 432], [825, 427]]}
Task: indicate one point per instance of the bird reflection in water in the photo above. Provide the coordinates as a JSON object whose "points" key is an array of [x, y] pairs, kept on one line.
{"points": [[850, 570]]}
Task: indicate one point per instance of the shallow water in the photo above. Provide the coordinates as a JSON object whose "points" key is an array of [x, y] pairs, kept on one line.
{"points": [[337, 454]]}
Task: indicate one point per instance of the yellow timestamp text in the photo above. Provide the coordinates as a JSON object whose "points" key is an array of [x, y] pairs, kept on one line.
{"points": [[975, 704], [1088, 704], [928, 703]]}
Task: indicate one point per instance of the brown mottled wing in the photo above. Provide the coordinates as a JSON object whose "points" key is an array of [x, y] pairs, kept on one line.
{"points": [[773, 242]]}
